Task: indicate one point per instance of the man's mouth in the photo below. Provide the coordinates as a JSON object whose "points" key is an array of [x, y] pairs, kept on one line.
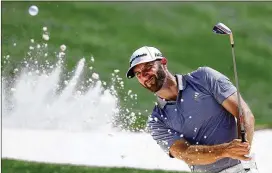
{"points": [[150, 81]]}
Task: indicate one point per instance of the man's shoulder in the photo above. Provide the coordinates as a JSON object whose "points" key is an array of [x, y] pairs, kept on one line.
{"points": [[202, 70]]}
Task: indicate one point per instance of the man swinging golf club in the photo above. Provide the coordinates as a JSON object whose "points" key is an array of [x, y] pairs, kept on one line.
{"points": [[195, 118]]}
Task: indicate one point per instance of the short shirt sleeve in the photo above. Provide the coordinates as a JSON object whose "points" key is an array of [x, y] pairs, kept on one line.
{"points": [[216, 83], [163, 135]]}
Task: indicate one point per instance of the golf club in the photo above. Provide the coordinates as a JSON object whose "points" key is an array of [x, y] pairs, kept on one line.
{"points": [[222, 29]]}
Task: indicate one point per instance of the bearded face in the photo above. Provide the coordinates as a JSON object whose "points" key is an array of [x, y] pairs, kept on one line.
{"points": [[151, 75]]}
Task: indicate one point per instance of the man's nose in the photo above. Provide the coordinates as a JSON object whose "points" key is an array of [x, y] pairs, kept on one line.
{"points": [[145, 76]]}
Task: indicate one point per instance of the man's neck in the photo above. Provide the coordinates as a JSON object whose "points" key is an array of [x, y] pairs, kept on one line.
{"points": [[169, 90]]}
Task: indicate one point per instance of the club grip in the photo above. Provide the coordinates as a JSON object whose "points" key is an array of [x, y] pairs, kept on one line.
{"points": [[231, 39], [243, 135]]}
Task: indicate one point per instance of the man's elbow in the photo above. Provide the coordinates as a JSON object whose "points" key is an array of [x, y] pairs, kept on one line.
{"points": [[250, 123], [179, 154], [250, 119], [188, 158], [178, 150]]}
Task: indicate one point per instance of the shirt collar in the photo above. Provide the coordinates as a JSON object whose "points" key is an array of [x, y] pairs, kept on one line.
{"points": [[181, 86]]}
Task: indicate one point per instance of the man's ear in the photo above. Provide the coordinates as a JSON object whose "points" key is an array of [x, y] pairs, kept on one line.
{"points": [[164, 61]]}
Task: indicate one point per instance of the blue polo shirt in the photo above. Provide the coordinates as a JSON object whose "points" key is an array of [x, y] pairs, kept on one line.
{"points": [[197, 115]]}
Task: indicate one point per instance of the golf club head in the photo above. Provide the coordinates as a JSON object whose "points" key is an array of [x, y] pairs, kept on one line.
{"points": [[220, 28]]}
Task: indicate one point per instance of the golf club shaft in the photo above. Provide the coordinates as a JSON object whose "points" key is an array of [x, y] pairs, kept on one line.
{"points": [[241, 116]]}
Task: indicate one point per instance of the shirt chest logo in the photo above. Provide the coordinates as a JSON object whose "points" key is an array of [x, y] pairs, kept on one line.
{"points": [[196, 96]]}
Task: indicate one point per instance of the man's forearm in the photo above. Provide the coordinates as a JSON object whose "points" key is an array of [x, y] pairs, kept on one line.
{"points": [[203, 154], [231, 105], [249, 123]]}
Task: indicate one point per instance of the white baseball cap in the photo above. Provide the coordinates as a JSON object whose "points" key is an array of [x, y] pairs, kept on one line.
{"points": [[142, 55]]}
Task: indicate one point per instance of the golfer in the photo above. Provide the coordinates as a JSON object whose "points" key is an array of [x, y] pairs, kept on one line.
{"points": [[195, 116]]}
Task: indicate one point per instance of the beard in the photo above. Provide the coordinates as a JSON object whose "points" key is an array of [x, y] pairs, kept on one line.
{"points": [[157, 81]]}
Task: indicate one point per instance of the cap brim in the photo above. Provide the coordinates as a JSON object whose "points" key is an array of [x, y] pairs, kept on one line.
{"points": [[130, 74]]}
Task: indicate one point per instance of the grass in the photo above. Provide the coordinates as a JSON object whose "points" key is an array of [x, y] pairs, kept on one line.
{"points": [[16, 166]]}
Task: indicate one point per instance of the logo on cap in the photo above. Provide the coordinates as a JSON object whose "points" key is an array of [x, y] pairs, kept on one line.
{"points": [[158, 54], [137, 56]]}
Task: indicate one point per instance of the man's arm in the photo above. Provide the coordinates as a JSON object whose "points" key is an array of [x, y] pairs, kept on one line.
{"points": [[205, 154], [231, 105], [225, 93]]}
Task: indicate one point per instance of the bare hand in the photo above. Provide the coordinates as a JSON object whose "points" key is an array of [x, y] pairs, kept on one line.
{"points": [[237, 150]]}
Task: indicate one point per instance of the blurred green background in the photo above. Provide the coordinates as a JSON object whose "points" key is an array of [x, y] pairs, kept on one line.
{"points": [[111, 31]]}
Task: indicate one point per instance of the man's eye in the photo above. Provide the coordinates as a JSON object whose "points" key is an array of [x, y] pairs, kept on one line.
{"points": [[137, 74], [149, 66]]}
